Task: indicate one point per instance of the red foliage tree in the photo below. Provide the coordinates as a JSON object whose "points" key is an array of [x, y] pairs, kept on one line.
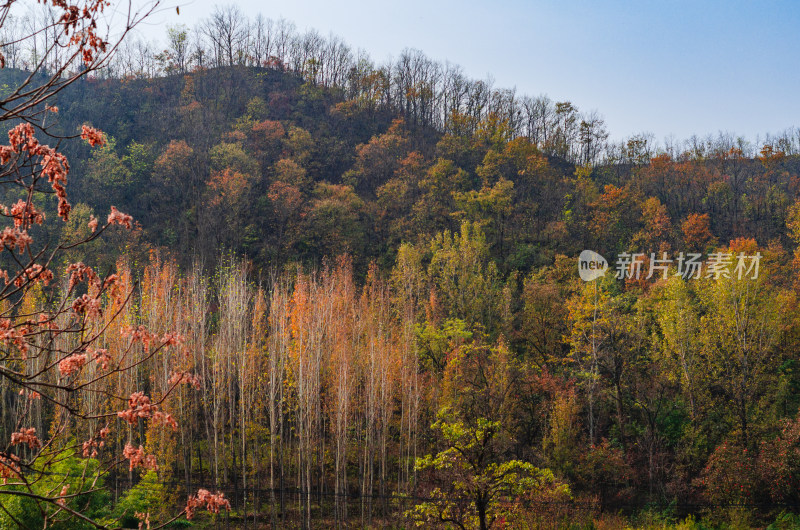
{"points": [[51, 320]]}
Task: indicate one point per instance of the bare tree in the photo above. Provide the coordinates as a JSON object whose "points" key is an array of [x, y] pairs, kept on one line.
{"points": [[226, 31]]}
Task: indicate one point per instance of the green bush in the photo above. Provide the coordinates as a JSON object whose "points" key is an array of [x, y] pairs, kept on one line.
{"points": [[145, 497], [67, 469]]}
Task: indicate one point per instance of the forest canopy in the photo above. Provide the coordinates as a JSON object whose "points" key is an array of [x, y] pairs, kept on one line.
{"points": [[349, 293]]}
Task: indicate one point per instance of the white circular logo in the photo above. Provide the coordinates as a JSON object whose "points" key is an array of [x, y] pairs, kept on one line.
{"points": [[591, 265]]}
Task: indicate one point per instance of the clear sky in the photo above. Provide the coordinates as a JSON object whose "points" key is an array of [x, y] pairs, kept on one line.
{"points": [[670, 67]]}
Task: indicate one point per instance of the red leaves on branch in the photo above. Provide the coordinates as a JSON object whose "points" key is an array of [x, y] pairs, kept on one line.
{"points": [[91, 446], [87, 305], [100, 355], [93, 136], [37, 169], [22, 137], [26, 436], [117, 217], [34, 273], [138, 458], [14, 237], [13, 335], [5, 154], [165, 419], [171, 339], [212, 501], [185, 378], [29, 163], [54, 167], [139, 406], [32, 394], [61, 501], [9, 467], [89, 44], [25, 214], [139, 334], [72, 364], [54, 164], [79, 272]]}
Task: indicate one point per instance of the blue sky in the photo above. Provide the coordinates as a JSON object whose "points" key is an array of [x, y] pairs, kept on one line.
{"points": [[672, 67]]}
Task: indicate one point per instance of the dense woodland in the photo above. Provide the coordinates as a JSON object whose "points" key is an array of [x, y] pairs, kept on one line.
{"points": [[373, 269]]}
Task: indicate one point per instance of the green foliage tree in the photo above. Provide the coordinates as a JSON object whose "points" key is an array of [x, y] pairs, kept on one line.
{"points": [[436, 342], [466, 280], [432, 210], [743, 319], [336, 222], [146, 497], [490, 209], [473, 486]]}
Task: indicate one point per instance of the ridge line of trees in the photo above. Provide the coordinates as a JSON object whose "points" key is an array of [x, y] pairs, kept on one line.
{"points": [[427, 93]]}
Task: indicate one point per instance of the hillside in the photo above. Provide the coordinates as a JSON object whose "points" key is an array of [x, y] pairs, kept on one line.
{"points": [[266, 165], [351, 295]]}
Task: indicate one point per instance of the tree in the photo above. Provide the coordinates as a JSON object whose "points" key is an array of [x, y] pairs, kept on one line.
{"points": [[79, 44], [335, 222], [565, 132], [603, 339], [489, 208], [697, 232], [178, 51], [473, 487], [432, 211], [52, 324], [744, 319], [679, 324], [592, 135], [544, 320], [377, 160], [616, 217], [226, 30], [655, 233], [464, 277]]}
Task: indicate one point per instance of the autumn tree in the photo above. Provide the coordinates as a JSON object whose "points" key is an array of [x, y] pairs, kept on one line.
{"points": [[604, 343], [697, 232], [544, 320], [377, 160], [615, 215], [679, 324], [53, 322]]}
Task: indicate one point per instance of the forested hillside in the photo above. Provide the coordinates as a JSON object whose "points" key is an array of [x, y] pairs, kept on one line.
{"points": [[369, 275]]}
